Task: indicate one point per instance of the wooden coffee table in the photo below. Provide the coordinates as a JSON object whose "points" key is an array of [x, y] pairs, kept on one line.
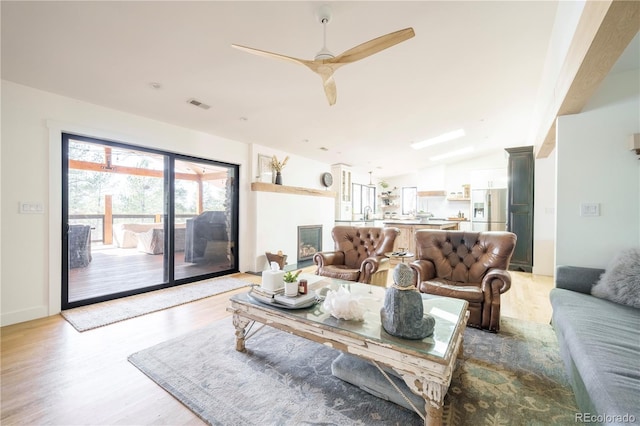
{"points": [[426, 365]]}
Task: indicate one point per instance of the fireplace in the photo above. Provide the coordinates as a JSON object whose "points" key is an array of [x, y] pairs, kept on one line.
{"points": [[309, 241]]}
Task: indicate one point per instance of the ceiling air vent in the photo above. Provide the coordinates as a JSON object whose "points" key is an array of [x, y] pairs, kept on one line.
{"points": [[199, 104]]}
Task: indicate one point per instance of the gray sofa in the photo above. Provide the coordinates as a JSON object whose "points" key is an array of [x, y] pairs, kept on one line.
{"points": [[600, 345]]}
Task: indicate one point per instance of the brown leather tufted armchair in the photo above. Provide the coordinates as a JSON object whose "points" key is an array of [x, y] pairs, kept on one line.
{"points": [[359, 254], [466, 265]]}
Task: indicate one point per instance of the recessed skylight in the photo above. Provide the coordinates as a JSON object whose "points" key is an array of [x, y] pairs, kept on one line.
{"points": [[439, 139]]}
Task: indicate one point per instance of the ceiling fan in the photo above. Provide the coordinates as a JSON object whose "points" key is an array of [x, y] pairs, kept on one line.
{"points": [[325, 63]]}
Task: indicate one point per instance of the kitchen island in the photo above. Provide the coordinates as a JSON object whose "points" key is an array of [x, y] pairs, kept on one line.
{"points": [[406, 240]]}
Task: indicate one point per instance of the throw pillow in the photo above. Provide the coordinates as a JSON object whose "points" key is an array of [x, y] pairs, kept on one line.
{"points": [[620, 282]]}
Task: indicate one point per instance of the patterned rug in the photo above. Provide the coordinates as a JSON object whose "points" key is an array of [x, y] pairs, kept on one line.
{"points": [[100, 314], [512, 378]]}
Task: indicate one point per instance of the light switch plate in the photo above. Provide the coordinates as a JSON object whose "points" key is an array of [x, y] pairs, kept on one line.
{"points": [[31, 207], [589, 209]]}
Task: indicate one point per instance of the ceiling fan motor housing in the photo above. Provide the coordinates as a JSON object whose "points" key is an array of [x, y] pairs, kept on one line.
{"points": [[324, 16]]}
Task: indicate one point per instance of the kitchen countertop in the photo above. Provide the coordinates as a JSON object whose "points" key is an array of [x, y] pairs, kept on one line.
{"points": [[418, 222], [436, 222]]}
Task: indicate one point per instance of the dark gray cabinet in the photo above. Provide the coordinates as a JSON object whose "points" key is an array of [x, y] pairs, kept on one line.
{"points": [[520, 171]]}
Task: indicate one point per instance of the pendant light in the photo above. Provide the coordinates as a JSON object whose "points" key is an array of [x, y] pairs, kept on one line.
{"points": [[371, 185]]}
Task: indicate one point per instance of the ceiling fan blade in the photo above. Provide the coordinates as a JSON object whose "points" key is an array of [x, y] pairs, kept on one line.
{"points": [[271, 55], [330, 89], [325, 71], [373, 46]]}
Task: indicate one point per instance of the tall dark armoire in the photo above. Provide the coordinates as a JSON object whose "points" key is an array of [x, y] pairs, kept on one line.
{"points": [[520, 205]]}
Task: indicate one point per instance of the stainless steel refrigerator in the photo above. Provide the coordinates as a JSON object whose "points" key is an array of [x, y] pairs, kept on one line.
{"points": [[489, 210]]}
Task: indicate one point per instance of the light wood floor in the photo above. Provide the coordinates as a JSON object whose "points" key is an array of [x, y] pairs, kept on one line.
{"points": [[53, 375]]}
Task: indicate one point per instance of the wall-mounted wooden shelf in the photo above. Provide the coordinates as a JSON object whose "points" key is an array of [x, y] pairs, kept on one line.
{"points": [[295, 190], [432, 193]]}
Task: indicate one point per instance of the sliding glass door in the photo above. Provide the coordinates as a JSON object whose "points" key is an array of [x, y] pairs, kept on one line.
{"points": [[205, 196], [136, 220]]}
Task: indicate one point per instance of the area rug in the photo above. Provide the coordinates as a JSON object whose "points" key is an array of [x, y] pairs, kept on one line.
{"points": [[515, 377], [100, 314]]}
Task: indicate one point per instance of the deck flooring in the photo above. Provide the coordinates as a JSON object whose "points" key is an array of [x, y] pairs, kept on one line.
{"points": [[116, 270]]}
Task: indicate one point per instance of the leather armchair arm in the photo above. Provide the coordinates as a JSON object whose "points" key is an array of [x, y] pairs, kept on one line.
{"points": [[325, 258], [496, 280], [371, 265], [494, 283], [424, 269]]}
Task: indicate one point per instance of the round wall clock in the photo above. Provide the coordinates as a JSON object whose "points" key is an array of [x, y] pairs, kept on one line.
{"points": [[327, 179]]}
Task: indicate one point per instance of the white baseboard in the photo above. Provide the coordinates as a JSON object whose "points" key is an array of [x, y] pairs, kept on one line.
{"points": [[8, 318]]}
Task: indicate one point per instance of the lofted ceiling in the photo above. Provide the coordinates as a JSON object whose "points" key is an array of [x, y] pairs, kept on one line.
{"points": [[475, 65]]}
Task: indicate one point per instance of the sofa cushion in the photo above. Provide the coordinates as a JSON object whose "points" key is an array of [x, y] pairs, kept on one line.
{"points": [[600, 344], [621, 280]]}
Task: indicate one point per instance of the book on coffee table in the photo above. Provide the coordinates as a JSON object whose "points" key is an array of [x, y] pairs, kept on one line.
{"points": [[256, 289], [299, 300]]}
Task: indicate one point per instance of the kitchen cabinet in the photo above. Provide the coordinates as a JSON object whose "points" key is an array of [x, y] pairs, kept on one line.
{"points": [[342, 185], [521, 165], [489, 178]]}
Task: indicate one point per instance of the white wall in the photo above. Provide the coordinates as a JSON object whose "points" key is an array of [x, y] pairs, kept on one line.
{"points": [[594, 165], [544, 215]]}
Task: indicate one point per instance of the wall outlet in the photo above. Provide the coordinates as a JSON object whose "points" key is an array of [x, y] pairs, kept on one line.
{"points": [[589, 209]]}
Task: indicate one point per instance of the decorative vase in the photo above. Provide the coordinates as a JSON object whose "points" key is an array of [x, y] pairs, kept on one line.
{"points": [[278, 178], [291, 289]]}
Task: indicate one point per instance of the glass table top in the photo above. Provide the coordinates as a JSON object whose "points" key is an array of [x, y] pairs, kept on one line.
{"points": [[446, 311]]}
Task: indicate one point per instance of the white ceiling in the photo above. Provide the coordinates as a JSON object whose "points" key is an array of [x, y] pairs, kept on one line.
{"points": [[475, 65]]}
